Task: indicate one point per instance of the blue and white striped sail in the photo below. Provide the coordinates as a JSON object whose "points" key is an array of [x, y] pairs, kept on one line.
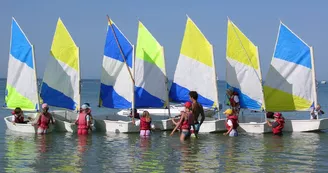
{"points": [[61, 80], [21, 88], [116, 89]]}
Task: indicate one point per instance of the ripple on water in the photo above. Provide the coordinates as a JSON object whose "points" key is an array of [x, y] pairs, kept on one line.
{"points": [[110, 152]]}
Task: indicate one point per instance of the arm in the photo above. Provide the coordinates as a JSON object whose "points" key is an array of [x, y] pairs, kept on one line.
{"points": [[269, 124], [133, 121], [88, 120], [228, 131], [177, 125], [202, 114], [39, 121], [51, 119]]}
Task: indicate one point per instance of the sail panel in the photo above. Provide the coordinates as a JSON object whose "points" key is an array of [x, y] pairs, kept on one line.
{"points": [[289, 85], [21, 87], [243, 73]]}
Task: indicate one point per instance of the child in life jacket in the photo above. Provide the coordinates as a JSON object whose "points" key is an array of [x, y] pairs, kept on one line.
{"points": [[234, 101], [18, 116], [231, 123], [84, 120], [136, 114], [144, 123], [185, 123], [187, 109], [315, 112], [278, 124], [44, 119], [86, 106]]}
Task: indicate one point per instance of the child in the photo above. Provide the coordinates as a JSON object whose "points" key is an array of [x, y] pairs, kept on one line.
{"points": [[144, 123], [44, 119], [18, 116], [185, 123]]}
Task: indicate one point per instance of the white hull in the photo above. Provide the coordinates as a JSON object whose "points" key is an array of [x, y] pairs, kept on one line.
{"points": [[122, 123], [305, 125], [212, 126], [174, 111], [65, 121], [25, 128], [290, 126]]}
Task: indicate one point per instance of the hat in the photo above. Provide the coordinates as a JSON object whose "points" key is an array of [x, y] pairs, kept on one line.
{"points": [[187, 104], [277, 114], [228, 111], [45, 105], [85, 106]]}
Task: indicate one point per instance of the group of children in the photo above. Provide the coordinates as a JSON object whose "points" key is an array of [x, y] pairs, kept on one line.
{"points": [[84, 119], [187, 125]]}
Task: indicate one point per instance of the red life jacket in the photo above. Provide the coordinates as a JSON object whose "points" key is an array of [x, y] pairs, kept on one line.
{"points": [[186, 123], [82, 121], [232, 100], [44, 120], [278, 129], [144, 125], [19, 119], [234, 120]]}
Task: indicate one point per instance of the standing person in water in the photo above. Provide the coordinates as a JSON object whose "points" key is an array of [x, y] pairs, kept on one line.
{"points": [[278, 124], [44, 119], [186, 121], [83, 120], [144, 123], [315, 112], [234, 101], [87, 108], [197, 109], [231, 123]]}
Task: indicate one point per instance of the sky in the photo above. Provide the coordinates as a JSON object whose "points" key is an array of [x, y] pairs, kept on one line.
{"points": [[87, 23]]}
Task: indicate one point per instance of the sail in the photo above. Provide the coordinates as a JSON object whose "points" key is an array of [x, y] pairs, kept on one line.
{"points": [[243, 73], [116, 87], [288, 85], [150, 78], [61, 80], [21, 88], [195, 70]]}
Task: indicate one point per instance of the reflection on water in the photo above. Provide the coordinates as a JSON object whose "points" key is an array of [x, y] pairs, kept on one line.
{"points": [[20, 152], [108, 152]]}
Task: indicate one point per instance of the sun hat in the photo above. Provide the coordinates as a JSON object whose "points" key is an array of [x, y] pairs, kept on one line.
{"points": [[45, 105], [85, 106], [187, 104], [228, 111]]}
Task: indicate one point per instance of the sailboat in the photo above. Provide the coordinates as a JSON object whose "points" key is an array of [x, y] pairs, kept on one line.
{"points": [[243, 75], [146, 74], [290, 84], [61, 81], [195, 71], [117, 82], [21, 88]]}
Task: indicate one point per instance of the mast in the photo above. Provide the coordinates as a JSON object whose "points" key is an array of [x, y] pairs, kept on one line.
{"points": [[215, 85], [261, 80], [166, 86], [79, 79], [36, 80], [133, 83], [313, 80]]}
